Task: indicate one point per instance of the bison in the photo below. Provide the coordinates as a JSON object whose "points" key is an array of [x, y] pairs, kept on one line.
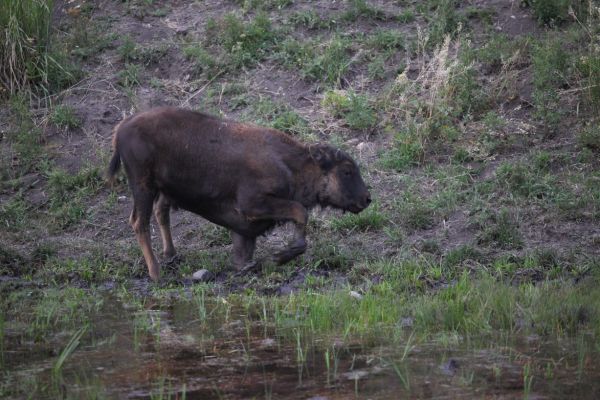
{"points": [[243, 177]]}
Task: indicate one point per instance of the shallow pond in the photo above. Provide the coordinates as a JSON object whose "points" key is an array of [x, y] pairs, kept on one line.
{"points": [[195, 346]]}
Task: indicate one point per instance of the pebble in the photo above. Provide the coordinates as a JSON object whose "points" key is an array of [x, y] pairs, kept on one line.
{"points": [[202, 275]]}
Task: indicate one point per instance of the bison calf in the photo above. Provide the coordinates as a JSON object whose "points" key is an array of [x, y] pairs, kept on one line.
{"points": [[240, 176]]}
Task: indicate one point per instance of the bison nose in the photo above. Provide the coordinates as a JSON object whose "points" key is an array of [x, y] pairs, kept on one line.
{"points": [[368, 199]]}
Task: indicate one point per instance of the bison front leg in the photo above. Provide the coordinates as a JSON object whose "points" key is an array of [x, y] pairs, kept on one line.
{"points": [[284, 210], [243, 250]]}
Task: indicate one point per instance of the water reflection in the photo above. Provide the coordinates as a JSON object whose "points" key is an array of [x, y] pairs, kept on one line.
{"points": [[202, 348]]}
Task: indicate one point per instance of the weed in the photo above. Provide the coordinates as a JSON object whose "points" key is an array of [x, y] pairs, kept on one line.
{"points": [[279, 116], [386, 40], [519, 179], [445, 21], [590, 137], [370, 219], [67, 193], [500, 229], [550, 11], [66, 353], [202, 60], [331, 62], [130, 76], [354, 108], [24, 44], [376, 68], [244, 43], [14, 213], [361, 9], [25, 150], [413, 211], [128, 50], [406, 16], [310, 20], [549, 61], [64, 117]]}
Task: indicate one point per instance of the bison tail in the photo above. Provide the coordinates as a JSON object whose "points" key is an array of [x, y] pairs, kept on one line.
{"points": [[113, 167], [115, 161]]}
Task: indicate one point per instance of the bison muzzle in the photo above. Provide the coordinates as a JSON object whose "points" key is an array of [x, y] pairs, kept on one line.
{"points": [[241, 176]]}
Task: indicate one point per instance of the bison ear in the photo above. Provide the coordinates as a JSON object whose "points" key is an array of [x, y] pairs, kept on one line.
{"points": [[323, 155]]}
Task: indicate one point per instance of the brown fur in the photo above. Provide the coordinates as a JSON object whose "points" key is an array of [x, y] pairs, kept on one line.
{"points": [[241, 176]]}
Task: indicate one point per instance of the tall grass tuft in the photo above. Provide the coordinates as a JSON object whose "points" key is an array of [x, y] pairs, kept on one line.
{"points": [[24, 43], [26, 58]]}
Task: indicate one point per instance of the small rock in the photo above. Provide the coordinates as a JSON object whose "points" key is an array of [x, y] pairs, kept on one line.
{"points": [[202, 275], [352, 142], [406, 322], [122, 198], [362, 146], [267, 344], [450, 367], [356, 295]]}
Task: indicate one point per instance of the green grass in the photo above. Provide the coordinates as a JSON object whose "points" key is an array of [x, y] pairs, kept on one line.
{"points": [[240, 43], [371, 219], [24, 63], [129, 77], [500, 230], [550, 62], [355, 109], [68, 194], [330, 63], [64, 117], [24, 152]]}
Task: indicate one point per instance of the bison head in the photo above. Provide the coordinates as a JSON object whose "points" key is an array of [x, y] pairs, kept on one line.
{"points": [[341, 185]]}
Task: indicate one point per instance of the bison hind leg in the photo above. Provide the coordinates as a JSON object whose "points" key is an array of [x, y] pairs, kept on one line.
{"points": [[140, 221], [162, 209]]}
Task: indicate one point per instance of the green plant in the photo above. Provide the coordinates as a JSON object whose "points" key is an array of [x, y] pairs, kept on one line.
{"points": [[550, 11], [130, 76], [369, 219], [445, 21], [203, 61], [331, 62], [25, 56], [128, 50], [24, 151], [354, 108], [243, 43], [64, 117], [549, 61], [360, 8], [590, 137], [500, 229]]}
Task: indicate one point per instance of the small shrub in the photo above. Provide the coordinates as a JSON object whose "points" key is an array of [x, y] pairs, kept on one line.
{"points": [[360, 9], [500, 229], [386, 39], [243, 43], [202, 60], [128, 50], [130, 76], [64, 117], [550, 11], [331, 64], [445, 21], [353, 108], [370, 219], [590, 137], [549, 67]]}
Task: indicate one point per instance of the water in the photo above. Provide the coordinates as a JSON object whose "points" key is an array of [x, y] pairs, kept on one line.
{"points": [[204, 348]]}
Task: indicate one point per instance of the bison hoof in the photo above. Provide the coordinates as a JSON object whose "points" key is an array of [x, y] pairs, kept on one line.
{"points": [[172, 261], [285, 255], [248, 267]]}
